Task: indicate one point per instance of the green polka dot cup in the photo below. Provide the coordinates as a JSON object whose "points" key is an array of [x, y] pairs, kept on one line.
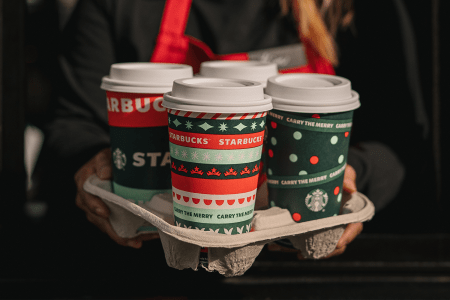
{"points": [[307, 144]]}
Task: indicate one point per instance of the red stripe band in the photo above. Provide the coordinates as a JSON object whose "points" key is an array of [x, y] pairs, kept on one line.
{"points": [[214, 186], [230, 117], [216, 141], [135, 110], [215, 116], [244, 116]]}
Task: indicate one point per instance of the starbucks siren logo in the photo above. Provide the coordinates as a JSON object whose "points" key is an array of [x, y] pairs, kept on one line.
{"points": [[316, 200], [119, 159]]}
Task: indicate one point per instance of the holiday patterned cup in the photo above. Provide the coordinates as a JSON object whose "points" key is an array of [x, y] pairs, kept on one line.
{"points": [[307, 143], [216, 132], [139, 145], [138, 129], [215, 168], [306, 159]]}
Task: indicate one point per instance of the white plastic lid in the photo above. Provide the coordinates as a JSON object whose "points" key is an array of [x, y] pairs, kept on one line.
{"points": [[249, 70], [144, 77], [312, 93], [217, 95]]}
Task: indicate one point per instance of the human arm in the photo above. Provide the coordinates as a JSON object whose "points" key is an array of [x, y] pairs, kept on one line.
{"points": [[96, 210], [77, 133]]}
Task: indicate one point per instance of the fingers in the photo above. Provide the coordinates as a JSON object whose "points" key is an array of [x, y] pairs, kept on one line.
{"points": [[96, 210], [84, 200], [148, 237], [351, 232], [92, 204], [103, 166], [350, 179], [83, 174], [262, 197], [104, 225], [336, 252], [300, 256]]}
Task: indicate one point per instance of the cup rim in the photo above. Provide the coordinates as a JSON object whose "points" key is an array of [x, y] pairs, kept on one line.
{"points": [[354, 98], [315, 108], [109, 80], [267, 99], [254, 70], [278, 80], [144, 76], [177, 103]]}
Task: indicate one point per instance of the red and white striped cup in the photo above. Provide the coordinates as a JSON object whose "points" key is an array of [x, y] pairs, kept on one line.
{"points": [[216, 132]]}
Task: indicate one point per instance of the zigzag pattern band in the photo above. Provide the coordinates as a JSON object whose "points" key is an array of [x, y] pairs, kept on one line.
{"points": [[217, 116], [207, 201]]}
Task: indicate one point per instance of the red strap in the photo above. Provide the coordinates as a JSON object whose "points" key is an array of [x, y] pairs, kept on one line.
{"points": [[171, 44], [233, 56], [318, 63]]}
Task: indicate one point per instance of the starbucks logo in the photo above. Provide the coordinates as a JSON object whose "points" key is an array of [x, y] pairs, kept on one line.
{"points": [[119, 159], [316, 200]]}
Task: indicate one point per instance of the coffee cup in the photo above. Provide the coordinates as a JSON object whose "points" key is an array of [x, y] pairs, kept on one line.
{"points": [[307, 143], [216, 131], [138, 128], [248, 70]]}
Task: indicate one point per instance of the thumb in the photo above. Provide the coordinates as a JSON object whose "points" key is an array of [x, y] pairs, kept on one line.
{"points": [[350, 179], [103, 164]]}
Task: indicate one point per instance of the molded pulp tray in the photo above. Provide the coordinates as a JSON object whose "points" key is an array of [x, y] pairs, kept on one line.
{"points": [[230, 255]]}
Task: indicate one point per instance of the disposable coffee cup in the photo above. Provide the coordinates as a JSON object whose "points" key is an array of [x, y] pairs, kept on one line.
{"points": [[307, 144], [254, 70], [216, 131], [138, 128], [248, 70]]}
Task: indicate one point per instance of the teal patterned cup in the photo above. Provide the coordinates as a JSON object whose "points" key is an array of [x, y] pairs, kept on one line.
{"points": [[307, 143]]}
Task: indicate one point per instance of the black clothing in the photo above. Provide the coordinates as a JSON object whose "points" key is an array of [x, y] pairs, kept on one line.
{"points": [[101, 33], [390, 112]]}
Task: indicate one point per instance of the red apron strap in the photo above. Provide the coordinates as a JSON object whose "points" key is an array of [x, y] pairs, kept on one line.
{"points": [[171, 44], [199, 52], [316, 63], [233, 56]]}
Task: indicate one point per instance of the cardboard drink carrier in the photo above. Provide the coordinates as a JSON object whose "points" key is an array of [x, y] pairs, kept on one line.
{"points": [[230, 252]]}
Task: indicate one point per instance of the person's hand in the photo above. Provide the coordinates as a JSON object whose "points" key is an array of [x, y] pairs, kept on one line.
{"points": [[349, 180], [96, 211], [351, 231], [354, 229]]}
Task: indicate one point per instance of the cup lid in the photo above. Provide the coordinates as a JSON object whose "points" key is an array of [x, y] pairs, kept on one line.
{"points": [[217, 95], [249, 70], [312, 93], [144, 77]]}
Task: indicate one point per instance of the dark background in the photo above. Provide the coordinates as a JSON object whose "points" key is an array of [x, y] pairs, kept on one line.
{"points": [[403, 253]]}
